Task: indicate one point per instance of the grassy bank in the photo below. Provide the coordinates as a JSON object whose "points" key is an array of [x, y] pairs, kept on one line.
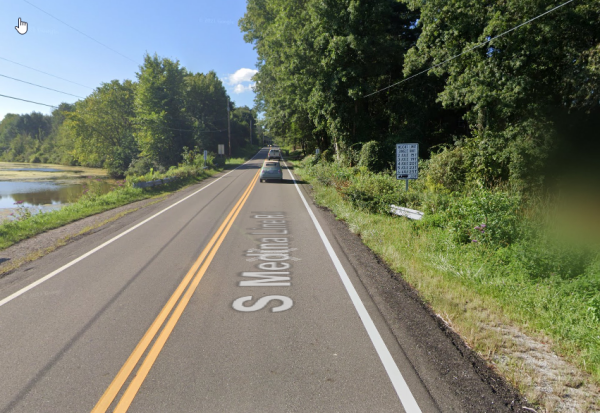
{"points": [[93, 203], [483, 259]]}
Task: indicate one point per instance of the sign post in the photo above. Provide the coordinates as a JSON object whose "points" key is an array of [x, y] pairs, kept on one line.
{"points": [[205, 157], [407, 161], [221, 149]]}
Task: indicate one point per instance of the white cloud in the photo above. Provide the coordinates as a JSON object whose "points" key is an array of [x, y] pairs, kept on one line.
{"points": [[241, 88], [240, 76]]}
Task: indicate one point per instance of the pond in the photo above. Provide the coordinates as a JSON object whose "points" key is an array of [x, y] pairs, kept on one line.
{"points": [[42, 187]]}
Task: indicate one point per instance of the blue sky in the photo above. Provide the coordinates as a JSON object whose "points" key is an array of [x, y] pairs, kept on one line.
{"points": [[202, 35]]}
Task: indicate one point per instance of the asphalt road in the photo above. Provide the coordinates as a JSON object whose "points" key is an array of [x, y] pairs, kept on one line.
{"points": [[233, 296]]}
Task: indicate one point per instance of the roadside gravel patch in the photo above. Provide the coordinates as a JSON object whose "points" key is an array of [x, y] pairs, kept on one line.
{"points": [[556, 384], [33, 248]]}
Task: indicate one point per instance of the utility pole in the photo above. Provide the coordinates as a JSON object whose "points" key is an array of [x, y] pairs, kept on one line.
{"points": [[228, 127], [250, 131]]}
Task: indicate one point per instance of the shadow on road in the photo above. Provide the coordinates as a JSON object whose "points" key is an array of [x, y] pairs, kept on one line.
{"points": [[285, 181]]}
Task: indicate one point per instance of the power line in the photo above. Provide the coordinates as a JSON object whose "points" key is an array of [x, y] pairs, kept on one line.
{"points": [[79, 31], [30, 101], [46, 73], [43, 87], [469, 50], [182, 130]]}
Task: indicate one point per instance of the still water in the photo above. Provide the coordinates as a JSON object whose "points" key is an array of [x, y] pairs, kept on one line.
{"points": [[45, 187], [28, 194]]}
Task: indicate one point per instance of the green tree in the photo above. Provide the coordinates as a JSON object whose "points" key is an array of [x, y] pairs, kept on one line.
{"points": [[206, 105], [163, 127], [102, 129], [519, 86], [318, 61]]}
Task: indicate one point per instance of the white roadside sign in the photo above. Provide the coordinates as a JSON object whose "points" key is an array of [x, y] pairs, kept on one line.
{"points": [[407, 161]]}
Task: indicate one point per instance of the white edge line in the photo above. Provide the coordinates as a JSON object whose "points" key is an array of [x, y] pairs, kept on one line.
{"points": [[110, 241], [406, 397]]}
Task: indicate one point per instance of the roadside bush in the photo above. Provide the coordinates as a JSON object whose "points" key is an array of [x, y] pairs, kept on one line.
{"points": [[327, 155], [373, 192], [370, 157], [447, 169], [210, 159], [219, 161], [311, 160], [139, 166], [350, 157], [539, 256], [117, 166], [191, 156], [484, 216]]}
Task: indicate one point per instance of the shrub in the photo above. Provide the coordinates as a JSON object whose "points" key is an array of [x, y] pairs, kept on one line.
{"points": [[219, 162], [327, 155], [140, 166], [370, 157], [372, 192], [118, 164], [311, 160], [484, 216], [540, 256], [447, 169]]}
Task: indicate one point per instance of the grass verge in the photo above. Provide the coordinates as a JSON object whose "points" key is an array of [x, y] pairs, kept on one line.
{"points": [[513, 320]]}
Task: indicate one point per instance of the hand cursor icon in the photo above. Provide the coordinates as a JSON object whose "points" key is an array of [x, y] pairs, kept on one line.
{"points": [[22, 27]]}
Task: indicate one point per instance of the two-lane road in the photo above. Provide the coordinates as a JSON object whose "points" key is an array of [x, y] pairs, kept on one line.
{"points": [[230, 298]]}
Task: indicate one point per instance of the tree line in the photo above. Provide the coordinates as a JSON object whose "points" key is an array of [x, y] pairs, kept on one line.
{"points": [[167, 110], [519, 109]]}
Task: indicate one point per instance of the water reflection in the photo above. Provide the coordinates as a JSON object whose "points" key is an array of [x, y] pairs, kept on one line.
{"points": [[28, 194]]}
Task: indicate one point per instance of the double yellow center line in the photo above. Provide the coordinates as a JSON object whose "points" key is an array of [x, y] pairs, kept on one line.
{"points": [[190, 281]]}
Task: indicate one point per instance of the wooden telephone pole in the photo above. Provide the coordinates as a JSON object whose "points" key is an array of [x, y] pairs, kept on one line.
{"points": [[228, 127]]}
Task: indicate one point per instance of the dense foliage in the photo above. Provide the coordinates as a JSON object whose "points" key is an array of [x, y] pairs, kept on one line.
{"points": [[515, 107], [125, 126]]}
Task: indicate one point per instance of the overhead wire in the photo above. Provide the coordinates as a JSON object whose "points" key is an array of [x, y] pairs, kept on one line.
{"points": [[46, 73], [30, 101], [469, 50], [43, 87], [79, 31], [187, 130]]}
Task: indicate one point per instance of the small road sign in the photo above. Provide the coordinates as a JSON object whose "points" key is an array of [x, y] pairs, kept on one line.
{"points": [[407, 161]]}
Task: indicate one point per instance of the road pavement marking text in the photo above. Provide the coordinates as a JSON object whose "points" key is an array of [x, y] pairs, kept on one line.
{"points": [[192, 278]]}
